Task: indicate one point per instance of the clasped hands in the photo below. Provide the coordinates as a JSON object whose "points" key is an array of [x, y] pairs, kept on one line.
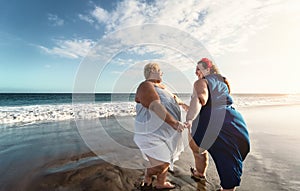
{"points": [[186, 125]]}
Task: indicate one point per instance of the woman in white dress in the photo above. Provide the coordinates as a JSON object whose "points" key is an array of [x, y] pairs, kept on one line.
{"points": [[157, 127]]}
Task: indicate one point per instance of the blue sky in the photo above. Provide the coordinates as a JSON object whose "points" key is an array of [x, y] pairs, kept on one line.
{"points": [[43, 44]]}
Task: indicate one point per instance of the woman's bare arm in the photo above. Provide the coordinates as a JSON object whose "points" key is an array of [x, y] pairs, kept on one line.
{"points": [[199, 98], [147, 96]]}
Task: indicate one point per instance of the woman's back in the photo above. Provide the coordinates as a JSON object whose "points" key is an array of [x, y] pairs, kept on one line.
{"points": [[218, 118]]}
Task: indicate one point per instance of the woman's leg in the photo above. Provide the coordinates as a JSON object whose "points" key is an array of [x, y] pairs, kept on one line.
{"points": [[151, 171], [148, 176], [161, 170], [162, 177], [200, 156]]}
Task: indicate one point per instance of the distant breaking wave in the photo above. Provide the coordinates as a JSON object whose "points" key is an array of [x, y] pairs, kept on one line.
{"points": [[38, 113], [14, 115]]}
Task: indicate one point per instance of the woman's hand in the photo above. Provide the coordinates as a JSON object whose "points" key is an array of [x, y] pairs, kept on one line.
{"points": [[184, 106], [188, 124], [180, 127]]}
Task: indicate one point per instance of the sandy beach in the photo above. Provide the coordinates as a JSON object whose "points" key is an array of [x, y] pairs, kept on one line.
{"points": [[63, 155]]}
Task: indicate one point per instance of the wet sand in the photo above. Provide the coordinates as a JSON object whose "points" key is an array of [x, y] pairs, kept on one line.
{"points": [[273, 163], [67, 156]]}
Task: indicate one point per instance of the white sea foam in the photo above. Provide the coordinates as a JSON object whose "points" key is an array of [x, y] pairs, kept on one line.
{"points": [[36, 113], [10, 115], [265, 100]]}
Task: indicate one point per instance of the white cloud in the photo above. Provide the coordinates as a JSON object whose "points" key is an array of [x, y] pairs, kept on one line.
{"points": [[228, 29], [70, 48], [55, 20], [100, 14], [220, 25], [86, 18], [122, 62]]}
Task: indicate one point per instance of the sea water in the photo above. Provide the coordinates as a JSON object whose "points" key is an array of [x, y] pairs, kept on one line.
{"points": [[46, 121], [16, 109]]}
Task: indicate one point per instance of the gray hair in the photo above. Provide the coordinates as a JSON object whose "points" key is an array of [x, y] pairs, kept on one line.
{"points": [[149, 68]]}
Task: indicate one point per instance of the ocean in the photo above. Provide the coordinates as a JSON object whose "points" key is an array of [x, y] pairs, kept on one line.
{"points": [[38, 132], [23, 108]]}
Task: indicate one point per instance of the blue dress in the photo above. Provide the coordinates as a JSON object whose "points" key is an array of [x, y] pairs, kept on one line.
{"points": [[221, 130]]}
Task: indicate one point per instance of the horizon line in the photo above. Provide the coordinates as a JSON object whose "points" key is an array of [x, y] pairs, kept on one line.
{"points": [[236, 93]]}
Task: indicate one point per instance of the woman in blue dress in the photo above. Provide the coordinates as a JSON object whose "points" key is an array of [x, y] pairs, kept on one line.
{"points": [[216, 127]]}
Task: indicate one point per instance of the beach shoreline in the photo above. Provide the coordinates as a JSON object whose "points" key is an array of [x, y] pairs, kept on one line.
{"points": [[55, 156]]}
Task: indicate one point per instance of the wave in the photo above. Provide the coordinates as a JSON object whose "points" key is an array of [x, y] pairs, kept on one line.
{"points": [[38, 113], [12, 115]]}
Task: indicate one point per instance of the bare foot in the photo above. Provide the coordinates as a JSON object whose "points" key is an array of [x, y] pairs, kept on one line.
{"points": [[165, 185]]}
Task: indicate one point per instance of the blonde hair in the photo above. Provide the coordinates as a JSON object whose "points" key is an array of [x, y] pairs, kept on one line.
{"points": [[149, 68]]}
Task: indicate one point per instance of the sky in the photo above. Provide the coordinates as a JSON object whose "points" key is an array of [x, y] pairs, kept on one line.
{"points": [[102, 45]]}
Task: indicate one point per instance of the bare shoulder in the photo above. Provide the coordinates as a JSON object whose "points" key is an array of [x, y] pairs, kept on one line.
{"points": [[146, 84], [200, 87], [146, 93], [145, 87], [200, 83]]}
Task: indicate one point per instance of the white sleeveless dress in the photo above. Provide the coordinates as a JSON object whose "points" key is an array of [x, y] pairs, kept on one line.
{"points": [[153, 136]]}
